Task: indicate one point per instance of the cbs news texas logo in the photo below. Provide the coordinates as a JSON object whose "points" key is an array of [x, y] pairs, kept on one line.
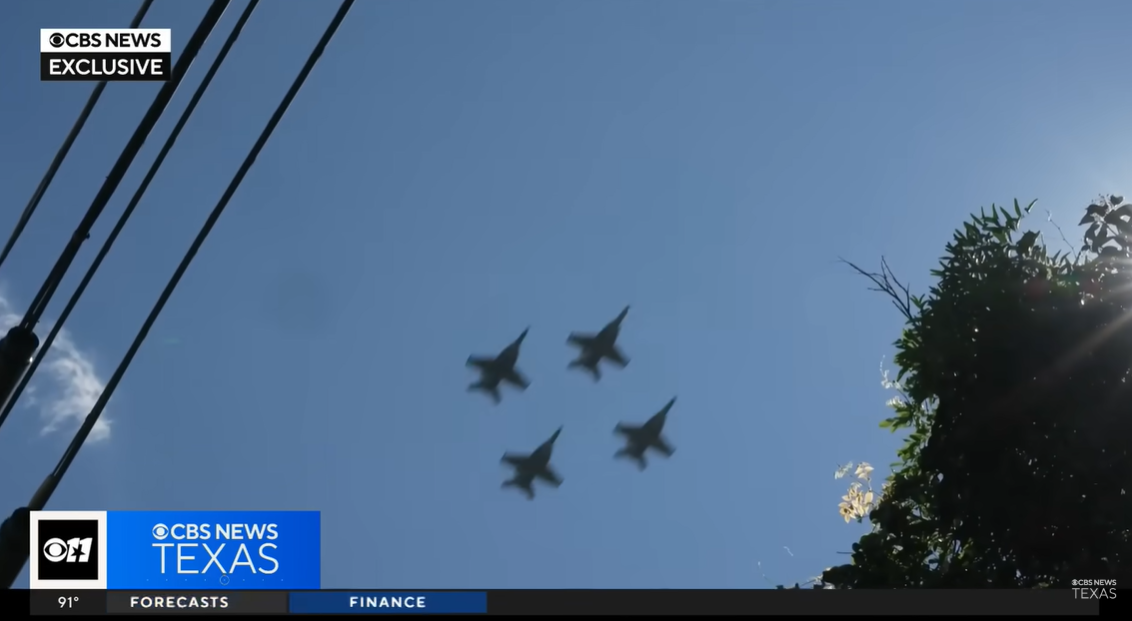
{"points": [[68, 550]]}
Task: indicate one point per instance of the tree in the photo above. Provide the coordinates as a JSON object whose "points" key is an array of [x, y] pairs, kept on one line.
{"points": [[1015, 389]]}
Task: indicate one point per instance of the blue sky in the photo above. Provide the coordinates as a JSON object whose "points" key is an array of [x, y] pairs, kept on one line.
{"points": [[456, 171]]}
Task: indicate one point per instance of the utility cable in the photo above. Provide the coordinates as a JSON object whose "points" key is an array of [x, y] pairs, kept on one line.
{"points": [[196, 41], [63, 150], [21, 343], [168, 146], [18, 346], [43, 494]]}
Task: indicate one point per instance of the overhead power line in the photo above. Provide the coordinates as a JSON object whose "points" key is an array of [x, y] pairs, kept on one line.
{"points": [[44, 493], [17, 347], [21, 343], [196, 41], [168, 146], [14, 533], [63, 150]]}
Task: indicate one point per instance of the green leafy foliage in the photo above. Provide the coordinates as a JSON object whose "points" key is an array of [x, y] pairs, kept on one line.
{"points": [[1014, 392]]}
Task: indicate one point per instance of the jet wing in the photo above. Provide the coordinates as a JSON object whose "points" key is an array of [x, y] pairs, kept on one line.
{"points": [[663, 446], [550, 476], [626, 429], [581, 339], [516, 378], [615, 355], [515, 459], [479, 362]]}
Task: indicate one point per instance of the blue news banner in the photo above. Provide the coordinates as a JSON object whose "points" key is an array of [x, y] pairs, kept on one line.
{"points": [[214, 550], [175, 550]]}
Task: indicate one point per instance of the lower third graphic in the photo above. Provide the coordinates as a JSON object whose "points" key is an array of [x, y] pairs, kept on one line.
{"points": [[68, 550], [214, 550]]}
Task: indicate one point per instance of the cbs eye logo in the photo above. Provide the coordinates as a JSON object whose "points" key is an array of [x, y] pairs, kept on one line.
{"points": [[68, 550], [72, 551], [56, 40]]}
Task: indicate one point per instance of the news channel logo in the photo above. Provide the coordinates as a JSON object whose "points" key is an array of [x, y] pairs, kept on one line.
{"points": [[111, 54], [68, 550], [213, 550]]}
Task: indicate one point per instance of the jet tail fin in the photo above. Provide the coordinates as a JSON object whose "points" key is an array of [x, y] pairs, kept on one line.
{"points": [[582, 363], [526, 489], [629, 454], [493, 391]]}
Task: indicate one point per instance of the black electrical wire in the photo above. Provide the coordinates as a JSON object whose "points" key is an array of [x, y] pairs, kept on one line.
{"points": [[196, 41], [168, 146], [43, 494], [63, 150]]}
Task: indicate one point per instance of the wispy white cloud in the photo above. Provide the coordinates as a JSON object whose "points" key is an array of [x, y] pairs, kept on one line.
{"points": [[65, 387]]}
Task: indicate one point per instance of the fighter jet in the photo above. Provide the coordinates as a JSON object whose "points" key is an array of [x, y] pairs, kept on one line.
{"points": [[640, 438], [501, 368], [531, 467], [597, 346]]}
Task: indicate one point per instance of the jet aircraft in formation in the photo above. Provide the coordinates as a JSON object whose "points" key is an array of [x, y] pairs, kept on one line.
{"points": [[533, 466], [499, 369], [640, 438], [594, 348]]}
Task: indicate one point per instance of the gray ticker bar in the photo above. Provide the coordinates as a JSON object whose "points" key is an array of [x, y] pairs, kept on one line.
{"points": [[196, 602], [67, 602]]}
